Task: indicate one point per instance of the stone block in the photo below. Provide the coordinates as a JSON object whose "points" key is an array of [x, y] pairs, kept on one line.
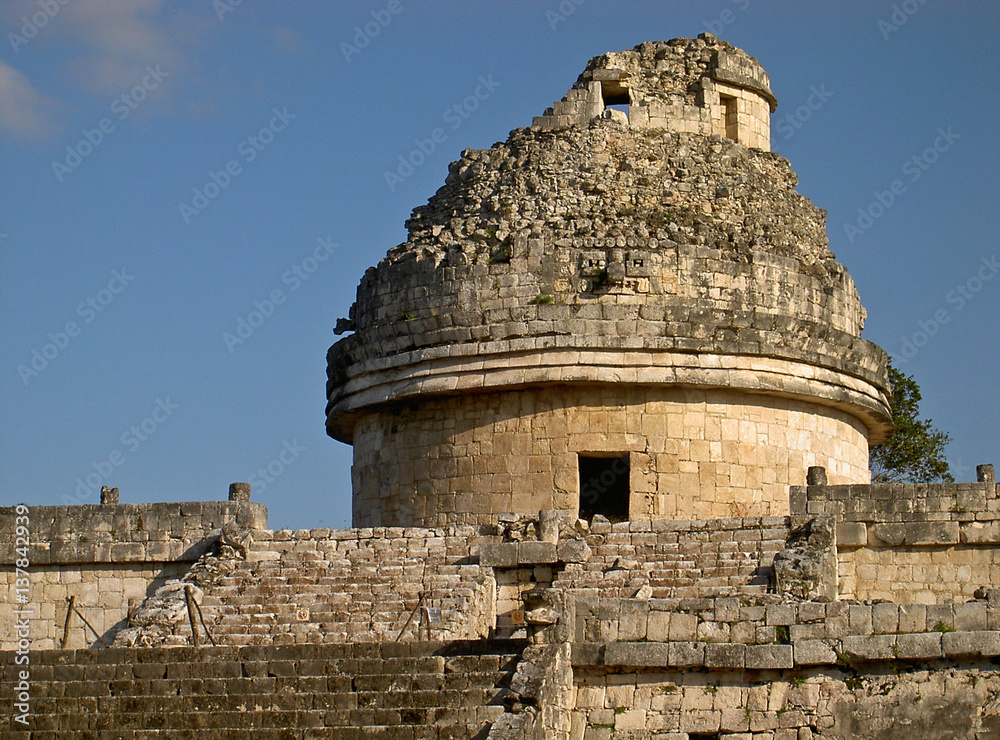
{"points": [[765, 657], [734, 720], [852, 534], [630, 720], [874, 647], [727, 609], [498, 555], [814, 652], [639, 654], [686, 654], [701, 721], [984, 643], [531, 553], [632, 620], [915, 533], [940, 616], [922, 645], [573, 551], [798, 632], [781, 614], [970, 617], [811, 612], [912, 618], [981, 533], [587, 653], [860, 619], [128, 552], [885, 618], [683, 627], [658, 626], [724, 655]]}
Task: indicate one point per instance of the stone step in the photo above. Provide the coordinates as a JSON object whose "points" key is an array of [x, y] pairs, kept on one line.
{"points": [[444, 723]]}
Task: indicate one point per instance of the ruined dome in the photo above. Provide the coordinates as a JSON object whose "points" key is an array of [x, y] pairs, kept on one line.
{"points": [[638, 283]]}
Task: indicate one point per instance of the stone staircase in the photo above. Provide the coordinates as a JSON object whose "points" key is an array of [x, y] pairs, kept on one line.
{"points": [[694, 566], [402, 691], [329, 588]]}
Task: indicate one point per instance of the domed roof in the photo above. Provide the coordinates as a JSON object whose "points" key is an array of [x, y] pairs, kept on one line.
{"points": [[597, 248]]}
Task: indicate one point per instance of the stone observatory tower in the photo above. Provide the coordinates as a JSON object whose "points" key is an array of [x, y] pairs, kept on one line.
{"points": [[625, 309]]}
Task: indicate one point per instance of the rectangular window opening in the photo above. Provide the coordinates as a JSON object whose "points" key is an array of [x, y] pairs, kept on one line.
{"points": [[604, 486], [615, 96], [729, 116]]}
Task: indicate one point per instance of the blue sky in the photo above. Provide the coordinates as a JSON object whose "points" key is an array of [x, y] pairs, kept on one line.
{"points": [[171, 168]]}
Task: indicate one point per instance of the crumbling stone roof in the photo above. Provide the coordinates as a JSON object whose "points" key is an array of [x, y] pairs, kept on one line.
{"points": [[672, 71], [592, 230]]}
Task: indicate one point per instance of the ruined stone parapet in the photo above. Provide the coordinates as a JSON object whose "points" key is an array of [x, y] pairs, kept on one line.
{"points": [[702, 86], [125, 533]]}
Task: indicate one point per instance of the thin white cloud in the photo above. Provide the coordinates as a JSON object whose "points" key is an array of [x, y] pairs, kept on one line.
{"points": [[25, 113], [287, 40], [120, 38]]}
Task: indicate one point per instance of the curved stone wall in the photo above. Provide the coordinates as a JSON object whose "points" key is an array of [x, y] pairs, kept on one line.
{"points": [[694, 454]]}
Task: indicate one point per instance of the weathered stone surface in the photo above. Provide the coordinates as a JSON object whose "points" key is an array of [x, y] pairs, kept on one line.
{"points": [[686, 654], [983, 643], [874, 647], [852, 534], [764, 657], [922, 646], [915, 533], [807, 567], [814, 652], [641, 654], [725, 656]]}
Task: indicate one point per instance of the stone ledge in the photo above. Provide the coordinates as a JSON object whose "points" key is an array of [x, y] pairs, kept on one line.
{"points": [[801, 653], [501, 366], [914, 533], [515, 554]]}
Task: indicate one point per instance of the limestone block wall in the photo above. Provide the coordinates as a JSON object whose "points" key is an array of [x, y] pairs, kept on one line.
{"points": [[694, 454], [912, 544], [655, 304], [831, 704], [106, 556], [738, 667]]}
